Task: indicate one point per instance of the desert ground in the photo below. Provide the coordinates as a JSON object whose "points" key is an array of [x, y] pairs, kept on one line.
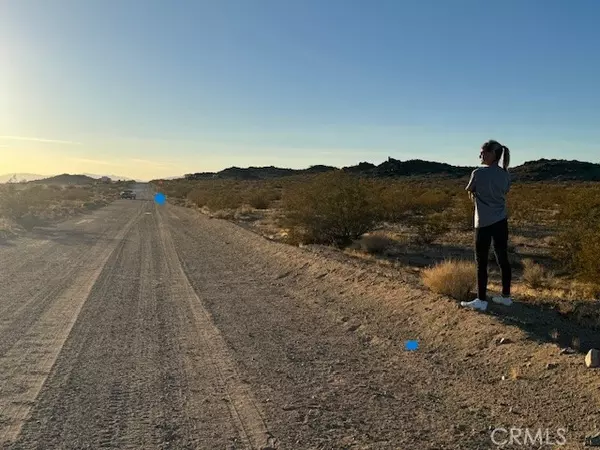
{"points": [[147, 326]]}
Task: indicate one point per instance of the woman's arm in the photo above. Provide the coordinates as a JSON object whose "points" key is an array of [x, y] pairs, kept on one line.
{"points": [[472, 184], [471, 187]]}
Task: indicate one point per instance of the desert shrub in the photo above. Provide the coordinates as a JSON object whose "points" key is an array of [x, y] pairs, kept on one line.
{"points": [[453, 278], [586, 259], [578, 243], [198, 196], [376, 244], [431, 201], [260, 199], [276, 195], [536, 203], [77, 194], [224, 199], [430, 228], [176, 188], [218, 194], [462, 212], [29, 205], [394, 200], [94, 204], [332, 208], [400, 200], [533, 274], [24, 205]]}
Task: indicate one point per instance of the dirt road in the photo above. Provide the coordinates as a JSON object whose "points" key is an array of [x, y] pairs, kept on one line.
{"points": [[145, 326]]}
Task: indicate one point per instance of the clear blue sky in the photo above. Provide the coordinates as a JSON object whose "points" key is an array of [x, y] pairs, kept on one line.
{"points": [[152, 88]]}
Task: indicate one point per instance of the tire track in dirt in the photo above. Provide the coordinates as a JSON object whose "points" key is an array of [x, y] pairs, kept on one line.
{"points": [[27, 359], [30, 252], [143, 368], [66, 378], [26, 273], [245, 413]]}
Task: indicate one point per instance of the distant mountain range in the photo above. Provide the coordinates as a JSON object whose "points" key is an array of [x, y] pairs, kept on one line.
{"points": [[541, 170], [24, 177], [112, 177], [19, 177]]}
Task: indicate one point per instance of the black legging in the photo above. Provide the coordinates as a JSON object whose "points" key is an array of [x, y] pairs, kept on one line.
{"points": [[498, 233]]}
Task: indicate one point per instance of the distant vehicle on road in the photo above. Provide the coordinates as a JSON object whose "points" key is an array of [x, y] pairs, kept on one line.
{"points": [[128, 193]]}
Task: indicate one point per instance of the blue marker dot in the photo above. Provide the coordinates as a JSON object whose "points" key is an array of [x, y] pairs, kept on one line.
{"points": [[411, 346], [160, 198]]}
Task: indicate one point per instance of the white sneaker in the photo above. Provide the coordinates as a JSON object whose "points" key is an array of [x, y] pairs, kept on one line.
{"points": [[480, 305], [505, 301]]}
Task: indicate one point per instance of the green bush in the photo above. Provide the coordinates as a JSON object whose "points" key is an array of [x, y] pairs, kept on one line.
{"points": [[332, 208]]}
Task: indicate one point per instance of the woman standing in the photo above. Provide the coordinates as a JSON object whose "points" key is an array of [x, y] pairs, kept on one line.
{"points": [[488, 188]]}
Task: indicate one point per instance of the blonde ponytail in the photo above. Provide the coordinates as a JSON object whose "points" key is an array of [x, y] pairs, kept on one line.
{"points": [[505, 157]]}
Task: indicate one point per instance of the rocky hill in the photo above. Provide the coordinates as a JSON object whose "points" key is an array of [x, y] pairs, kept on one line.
{"points": [[66, 178], [557, 170], [256, 173], [541, 170], [390, 168]]}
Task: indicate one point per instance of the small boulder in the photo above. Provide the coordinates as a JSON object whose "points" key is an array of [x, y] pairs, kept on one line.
{"points": [[551, 366], [592, 359]]}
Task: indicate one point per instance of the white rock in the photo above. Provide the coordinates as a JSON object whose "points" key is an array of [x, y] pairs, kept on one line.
{"points": [[592, 359]]}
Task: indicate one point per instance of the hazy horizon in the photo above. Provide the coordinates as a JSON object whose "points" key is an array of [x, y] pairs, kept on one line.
{"points": [[146, 90]]}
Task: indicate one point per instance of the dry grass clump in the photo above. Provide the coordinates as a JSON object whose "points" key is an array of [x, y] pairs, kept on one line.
{"points": [[534, 274], [453, 278]]}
